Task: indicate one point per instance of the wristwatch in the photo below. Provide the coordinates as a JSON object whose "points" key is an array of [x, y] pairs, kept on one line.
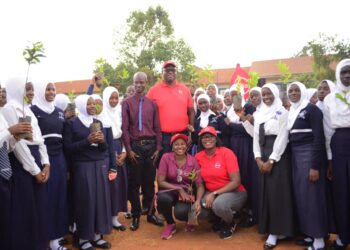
{"points": [[271, 161]]}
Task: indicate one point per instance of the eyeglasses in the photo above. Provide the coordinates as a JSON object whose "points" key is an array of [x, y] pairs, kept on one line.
{"points": [[207, 137], [169, 70]]}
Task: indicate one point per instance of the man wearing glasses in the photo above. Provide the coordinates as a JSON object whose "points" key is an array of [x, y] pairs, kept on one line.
{"points": [[175, 105]]}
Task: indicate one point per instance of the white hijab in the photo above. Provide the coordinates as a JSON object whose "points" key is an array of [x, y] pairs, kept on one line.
{"points": [[342, 109], [204, 116], [268, 112], [221, 97], [215, 87], [310, 92], [81, 104], [114, 114], [62, 101], [257, 89], [106, 122], [296, 107], [194, 101], [15, 88], [332, 88], [39, 97]]}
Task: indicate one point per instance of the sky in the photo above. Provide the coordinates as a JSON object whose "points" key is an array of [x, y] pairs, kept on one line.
{"points": [[221, 33]]}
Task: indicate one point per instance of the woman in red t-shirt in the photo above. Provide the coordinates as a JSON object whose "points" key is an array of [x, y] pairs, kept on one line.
{"points": [[220, 173]]}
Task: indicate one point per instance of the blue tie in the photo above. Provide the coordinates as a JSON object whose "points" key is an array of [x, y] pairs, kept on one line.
{"points": [[5, 167], [140, 113]]}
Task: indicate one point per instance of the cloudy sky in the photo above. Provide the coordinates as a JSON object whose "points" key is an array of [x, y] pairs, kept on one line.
{"points": [[221, 33]]}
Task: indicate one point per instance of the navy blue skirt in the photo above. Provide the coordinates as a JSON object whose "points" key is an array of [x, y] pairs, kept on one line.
{"points": [[119, 187], [57, 201], [29, 207], [310, 198], [92, 198], [5, 212], [340, 145], [242, 146]]}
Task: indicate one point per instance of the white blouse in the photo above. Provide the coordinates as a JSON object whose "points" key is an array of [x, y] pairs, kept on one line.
{"points": [[277, 125], [333, 119], [5, 135], [21, 149]]}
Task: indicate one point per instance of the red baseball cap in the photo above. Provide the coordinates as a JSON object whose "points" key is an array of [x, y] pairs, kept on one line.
{"points": [[209, 130], [167, 63], [177, 136]]}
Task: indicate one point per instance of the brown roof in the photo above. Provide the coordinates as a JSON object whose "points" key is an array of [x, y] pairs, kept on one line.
{"points": [[223, 76], [78, 86], [297, 65]]}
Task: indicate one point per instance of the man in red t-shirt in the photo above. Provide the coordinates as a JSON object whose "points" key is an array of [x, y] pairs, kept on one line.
{"points": [[175, 105]]}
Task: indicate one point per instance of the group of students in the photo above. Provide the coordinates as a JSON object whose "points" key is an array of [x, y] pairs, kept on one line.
{"points": [[293, 159], [283, 168]]}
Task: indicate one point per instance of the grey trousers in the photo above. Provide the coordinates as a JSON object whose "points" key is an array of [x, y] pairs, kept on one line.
{"points": [[224, 205]]}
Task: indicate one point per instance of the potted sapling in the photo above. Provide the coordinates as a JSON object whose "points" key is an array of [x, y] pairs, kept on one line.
{"points": [[32, 55], [192, 214]]}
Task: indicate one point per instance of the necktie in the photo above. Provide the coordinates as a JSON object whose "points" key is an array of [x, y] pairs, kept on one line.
{"points": [[262, 135], [5, 167], [140, 113]]}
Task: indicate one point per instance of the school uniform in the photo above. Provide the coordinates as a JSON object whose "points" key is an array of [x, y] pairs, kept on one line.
{"points": [[90, 175], [276, 213], [337, 133], [223, 131], [307, 143], [51, 125], [5, 184], [241, 143], [119, 186], [29, 199]]}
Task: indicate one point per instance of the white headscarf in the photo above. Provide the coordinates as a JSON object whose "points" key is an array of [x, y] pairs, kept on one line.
{"points": [[194, 101], [106, 122], [268, 112], [62, 101], [15, 88], [296, 107], [81, 104], [258, 89], [221, 97], [114, 114], [332, 88], [309, 93], [215, 87], [39, 97], [204, 116], [340, 108]]}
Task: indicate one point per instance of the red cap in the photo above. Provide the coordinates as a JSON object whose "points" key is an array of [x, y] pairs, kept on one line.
{"points": [[209, 130], [177, 136], [167, 63]]}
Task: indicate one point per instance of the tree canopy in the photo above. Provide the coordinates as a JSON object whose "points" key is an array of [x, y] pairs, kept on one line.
{"points": [[326, 50], [148, 42]]}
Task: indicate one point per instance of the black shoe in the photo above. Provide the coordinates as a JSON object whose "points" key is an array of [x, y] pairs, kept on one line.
{"points": [[303, 242], [135, 224], [154, 220], [103, 245], [120, 227], [334, 246], [144, 211], [226, 231], [127, 215], [268, 246], [83, 247]]}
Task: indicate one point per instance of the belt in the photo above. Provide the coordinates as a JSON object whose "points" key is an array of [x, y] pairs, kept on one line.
{"points": [[52, 135], [306, 130], [144, 141]]}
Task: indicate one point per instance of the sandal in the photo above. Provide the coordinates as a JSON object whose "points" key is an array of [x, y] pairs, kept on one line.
{"points": [[100, 243], [85, 243]]}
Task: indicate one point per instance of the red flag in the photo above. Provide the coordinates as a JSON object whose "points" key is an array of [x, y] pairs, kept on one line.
{"points": [[243, 76]]}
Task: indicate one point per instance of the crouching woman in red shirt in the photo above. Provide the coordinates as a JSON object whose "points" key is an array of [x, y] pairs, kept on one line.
{"points": [[220, 173]]}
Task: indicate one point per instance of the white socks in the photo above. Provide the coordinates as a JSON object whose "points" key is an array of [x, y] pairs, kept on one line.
{"points": [[338, 241], [115, 221], [98, 239], [318, 243], [272, 239], [86, 245], [54, 244]]}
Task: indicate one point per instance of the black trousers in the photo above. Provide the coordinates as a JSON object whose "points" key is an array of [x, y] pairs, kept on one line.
{"points": [[142, 174], [166, 201], [5, 213]]}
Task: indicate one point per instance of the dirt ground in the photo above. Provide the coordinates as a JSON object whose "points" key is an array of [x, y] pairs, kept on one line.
{"points": [[148, 237]]}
